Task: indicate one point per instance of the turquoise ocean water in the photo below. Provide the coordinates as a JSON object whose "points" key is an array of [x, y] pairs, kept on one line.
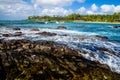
{"points": [[100, 29], [101, 49]]}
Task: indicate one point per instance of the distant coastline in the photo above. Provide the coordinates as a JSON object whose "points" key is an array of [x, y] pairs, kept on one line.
{"points": [[102, 19], [94, 22], [97, 22]]}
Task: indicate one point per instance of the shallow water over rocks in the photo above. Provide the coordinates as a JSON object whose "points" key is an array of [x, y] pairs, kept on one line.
{"points": [[95, 47], [34, 53]]}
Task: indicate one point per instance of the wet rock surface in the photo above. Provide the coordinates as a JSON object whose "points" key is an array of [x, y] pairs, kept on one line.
{"points": [[7, 35], [35, 29], [18, 34], [61, 27], [47, 60], [46, 34], [16, 29], [13, 35], [101, 37], [116, 27]]}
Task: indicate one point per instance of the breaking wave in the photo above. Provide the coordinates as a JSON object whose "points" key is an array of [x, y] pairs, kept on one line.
{"points": [[103, 51]]}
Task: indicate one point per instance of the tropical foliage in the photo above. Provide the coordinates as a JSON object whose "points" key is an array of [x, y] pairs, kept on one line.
{"points": [[99, 18]]}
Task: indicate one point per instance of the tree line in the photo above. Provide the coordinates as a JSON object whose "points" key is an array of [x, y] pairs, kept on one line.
{"points": [[77, 17]]}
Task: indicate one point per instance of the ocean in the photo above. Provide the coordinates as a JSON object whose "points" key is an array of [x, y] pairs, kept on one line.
{"points": [[78, 35], [88, 28]]}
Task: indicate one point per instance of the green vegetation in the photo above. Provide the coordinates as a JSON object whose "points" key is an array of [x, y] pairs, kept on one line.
{"points": [[77, 17]]}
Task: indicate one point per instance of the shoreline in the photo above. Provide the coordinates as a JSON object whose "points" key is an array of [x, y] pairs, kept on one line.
{"points": [[93, 48], [25, 59], [69, 21], [98, 22]]}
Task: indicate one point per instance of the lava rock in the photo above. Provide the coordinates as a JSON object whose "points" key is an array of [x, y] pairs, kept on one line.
{"points": [[64, 35], [35, 29], [18, 34], [61, 27], [101, 37], [2, 71], [116, 27], [7, 35], [46, 34], [44, 60], [16, 29], [106, 50]]}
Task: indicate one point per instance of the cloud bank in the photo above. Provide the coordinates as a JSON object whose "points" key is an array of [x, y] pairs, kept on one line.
{"points": [[21, 9]]}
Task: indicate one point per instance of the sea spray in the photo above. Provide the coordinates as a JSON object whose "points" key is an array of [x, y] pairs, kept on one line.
{"points": [[76, 40]]}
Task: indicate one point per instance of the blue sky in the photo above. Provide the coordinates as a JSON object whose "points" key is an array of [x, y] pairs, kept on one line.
{"points": [[21, 9]]}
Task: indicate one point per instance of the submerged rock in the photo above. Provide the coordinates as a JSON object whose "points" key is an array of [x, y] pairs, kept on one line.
{"points": [[107, 50], [61, 27], [12, 35], [7, 35], [47, 60], [64, 35], [18, 34], [101, 37], [46, 34], [116, 27], [16, 29], [35, 29]]}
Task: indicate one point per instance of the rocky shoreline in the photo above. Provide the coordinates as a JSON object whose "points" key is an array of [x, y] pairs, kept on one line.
{"points": [[47, 60]]}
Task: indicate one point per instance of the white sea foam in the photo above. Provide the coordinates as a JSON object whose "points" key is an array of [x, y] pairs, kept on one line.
{"points": [[89, 45]]}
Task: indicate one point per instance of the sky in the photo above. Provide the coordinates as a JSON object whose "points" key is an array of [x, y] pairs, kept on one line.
{"points": [[21, 9]]}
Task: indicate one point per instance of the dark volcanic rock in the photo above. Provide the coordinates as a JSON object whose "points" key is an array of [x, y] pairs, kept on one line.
{"points": [[64, 35], [35, 29], [2, 71], [7, 35], [116, 26], [16, 29], [46, 60], [18, 34], [101, 37], [12, 35], [46, 34], [107, 50], [61, 27]]}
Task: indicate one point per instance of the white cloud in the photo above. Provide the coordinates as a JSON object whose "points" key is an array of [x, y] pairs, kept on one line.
{"points": [[117, 8], [13, 1], [103, 9], [107, 8], [89, 12], [19, 9], [110, 8], [94, 7], [93, 10], [81, 10], [15, 10], [56, 11], [52, 3], [81, 1]]}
